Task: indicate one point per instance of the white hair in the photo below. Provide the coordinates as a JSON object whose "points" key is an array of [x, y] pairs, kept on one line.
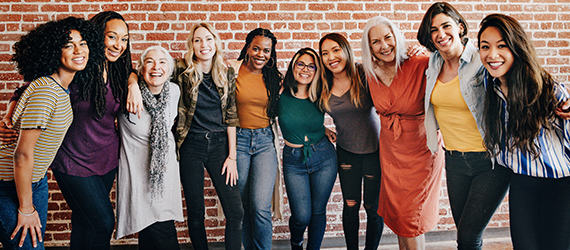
{"points": [[158, 48], [367, 56]]}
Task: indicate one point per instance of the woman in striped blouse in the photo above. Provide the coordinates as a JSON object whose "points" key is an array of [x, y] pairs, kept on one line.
{"points": [[523, 133]]}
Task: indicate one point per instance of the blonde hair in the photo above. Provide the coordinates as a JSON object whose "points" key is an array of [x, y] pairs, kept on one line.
{"points": [[219, 68]]}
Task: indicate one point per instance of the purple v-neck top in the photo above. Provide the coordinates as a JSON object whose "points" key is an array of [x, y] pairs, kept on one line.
{"points": [[91, 146]]}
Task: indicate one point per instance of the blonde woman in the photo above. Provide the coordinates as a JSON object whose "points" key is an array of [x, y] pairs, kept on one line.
{"points": [[206, 133]]}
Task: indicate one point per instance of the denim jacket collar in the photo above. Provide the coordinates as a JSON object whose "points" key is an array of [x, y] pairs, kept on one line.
{"points": [[471, 87]]}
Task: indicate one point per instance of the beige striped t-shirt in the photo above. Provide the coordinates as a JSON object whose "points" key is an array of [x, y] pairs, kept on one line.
{"points": [[44, 105]]}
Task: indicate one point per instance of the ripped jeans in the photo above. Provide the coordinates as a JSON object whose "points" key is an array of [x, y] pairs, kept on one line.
{"points": [[352, 170]]}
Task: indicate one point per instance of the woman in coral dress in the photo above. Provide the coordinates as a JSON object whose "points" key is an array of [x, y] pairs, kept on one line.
{"points": [[411, 175]]}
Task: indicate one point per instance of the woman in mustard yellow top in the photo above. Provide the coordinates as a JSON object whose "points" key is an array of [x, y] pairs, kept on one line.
{"points": [[257, 90], [454, 102]]}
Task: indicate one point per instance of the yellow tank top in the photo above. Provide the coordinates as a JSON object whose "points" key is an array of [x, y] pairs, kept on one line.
{"points": [[251, 100], [456, 123]]}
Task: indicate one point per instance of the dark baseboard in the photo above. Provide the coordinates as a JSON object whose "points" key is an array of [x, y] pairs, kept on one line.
{"points": [[387, 239]]}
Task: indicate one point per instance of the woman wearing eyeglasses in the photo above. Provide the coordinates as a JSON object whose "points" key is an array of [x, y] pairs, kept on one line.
{"points": [[309, 158]]}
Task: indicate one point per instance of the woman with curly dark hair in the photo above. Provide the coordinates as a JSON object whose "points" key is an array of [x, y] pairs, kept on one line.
{"points": [[51, 57], [87, 161], [257, 91], [86, 164], [523, 134]]}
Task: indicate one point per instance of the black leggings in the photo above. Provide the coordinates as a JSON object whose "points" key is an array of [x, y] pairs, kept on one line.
{"points": [[352, 170], [159, 235], [539, 213]]}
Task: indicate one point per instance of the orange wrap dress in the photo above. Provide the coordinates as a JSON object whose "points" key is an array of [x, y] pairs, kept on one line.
{"points": [[411, 175]]}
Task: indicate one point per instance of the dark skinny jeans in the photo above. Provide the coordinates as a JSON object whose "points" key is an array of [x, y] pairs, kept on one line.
{"points": [[199, 151], [353, 169], [475, 191], [539, 213]]}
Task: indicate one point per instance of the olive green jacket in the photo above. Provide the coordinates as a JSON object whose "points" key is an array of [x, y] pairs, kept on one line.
{"points": [[187, 103]]}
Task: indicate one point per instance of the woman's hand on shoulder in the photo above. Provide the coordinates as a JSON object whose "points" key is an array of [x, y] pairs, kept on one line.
{"points": [[134, 96], [563, 111], [417, 50]]}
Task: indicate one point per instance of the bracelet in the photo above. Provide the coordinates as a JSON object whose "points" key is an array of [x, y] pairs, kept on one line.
{"points": [[30, 214], [229, 157]]}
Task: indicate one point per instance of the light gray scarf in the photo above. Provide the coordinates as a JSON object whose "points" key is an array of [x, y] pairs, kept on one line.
{"points": [[156, 107]]}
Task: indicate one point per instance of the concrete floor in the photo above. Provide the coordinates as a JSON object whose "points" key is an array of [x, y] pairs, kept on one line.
{"points": [[489, 244], [493, 239]]}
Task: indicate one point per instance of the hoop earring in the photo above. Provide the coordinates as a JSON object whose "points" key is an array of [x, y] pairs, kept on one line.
{"points": [[273, 63]]}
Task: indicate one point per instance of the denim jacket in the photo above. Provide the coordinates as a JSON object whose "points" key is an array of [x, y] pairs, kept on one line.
{"points": [[471, 86]]}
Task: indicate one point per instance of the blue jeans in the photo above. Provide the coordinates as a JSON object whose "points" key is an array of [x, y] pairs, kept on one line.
{"points": [[257, 167], [539, 213], [92, 217], [199, 151], [309, 186], [9, 213], [354, 169], [475, 191]]}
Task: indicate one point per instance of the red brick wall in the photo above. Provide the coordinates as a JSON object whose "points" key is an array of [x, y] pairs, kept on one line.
{"points": [[296, 24]]}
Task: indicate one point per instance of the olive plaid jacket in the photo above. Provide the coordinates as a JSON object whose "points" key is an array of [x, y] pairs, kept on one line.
{"points": [[187, 103]]}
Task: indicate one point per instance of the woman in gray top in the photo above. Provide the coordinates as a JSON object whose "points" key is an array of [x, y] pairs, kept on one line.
{"points": [[346, 99], [148, 185]]}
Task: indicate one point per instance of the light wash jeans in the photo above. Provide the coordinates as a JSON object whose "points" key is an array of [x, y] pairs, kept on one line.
{"points": [[257, 167], [309, 186]]}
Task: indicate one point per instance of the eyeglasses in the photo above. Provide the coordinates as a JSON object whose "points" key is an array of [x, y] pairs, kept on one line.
{"points": [[302, 65]]}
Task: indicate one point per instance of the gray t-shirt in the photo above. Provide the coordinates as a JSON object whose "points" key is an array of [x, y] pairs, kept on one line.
{"points": [[357, 129]]}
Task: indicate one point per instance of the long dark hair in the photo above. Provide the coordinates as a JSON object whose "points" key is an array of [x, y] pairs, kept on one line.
{"points": [[38, 53], [271, 75], [117, 72], [531, 102], [356, 83]]}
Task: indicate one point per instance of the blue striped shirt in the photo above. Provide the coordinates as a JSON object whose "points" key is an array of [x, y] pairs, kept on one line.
{"points": [[554, 145]]}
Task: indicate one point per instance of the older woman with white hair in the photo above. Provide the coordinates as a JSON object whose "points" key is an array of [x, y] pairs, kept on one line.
{"points": [[148, 186], [411, 175]]}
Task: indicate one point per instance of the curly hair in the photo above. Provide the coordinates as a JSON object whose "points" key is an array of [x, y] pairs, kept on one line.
{"points": [[271, 75], [38, 53], [531, 101], [117, 72]]}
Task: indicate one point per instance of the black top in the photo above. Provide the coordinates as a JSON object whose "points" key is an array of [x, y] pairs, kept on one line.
{"points": [[208, 113]]}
